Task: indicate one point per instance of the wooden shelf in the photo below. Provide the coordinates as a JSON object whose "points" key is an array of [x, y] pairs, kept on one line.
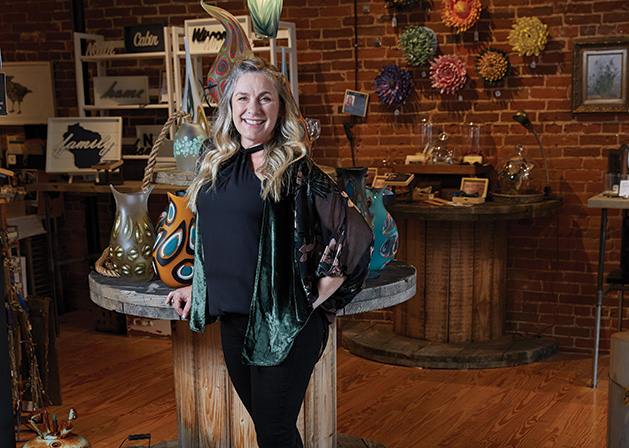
{"points": [[435, 169]]}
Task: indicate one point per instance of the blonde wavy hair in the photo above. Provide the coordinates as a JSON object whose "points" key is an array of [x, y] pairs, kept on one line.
{"points": [[285, 147]]}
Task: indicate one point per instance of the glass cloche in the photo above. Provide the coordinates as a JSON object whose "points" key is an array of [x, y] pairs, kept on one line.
{"points": [[515, 175], [440, 151]]}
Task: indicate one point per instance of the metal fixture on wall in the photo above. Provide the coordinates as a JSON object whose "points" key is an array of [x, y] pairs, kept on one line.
{"points": [[522, 118]]}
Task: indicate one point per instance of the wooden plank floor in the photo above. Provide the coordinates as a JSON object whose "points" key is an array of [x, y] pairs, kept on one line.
{"points": [[121, 386]]}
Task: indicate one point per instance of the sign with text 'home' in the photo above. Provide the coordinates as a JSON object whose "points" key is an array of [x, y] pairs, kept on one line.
{"points": [[112, 91]]}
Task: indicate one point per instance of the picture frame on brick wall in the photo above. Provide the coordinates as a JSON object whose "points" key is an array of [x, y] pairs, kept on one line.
{"points": [[600, 75], [30, 93], [355, 103]]}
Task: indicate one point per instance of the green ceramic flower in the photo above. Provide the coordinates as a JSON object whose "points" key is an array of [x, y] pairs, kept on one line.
{"points": [[418, 44]]}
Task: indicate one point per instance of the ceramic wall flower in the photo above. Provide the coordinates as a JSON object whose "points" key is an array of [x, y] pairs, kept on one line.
{"points": [[528, 36], [418, 44], [448, 73], [461, 14], [392, 85], [493, 66]]}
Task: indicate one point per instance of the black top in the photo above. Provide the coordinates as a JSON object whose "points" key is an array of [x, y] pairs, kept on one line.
{"points": [[229, 221]]}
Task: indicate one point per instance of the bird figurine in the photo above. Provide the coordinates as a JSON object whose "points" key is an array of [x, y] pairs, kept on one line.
{"points": [[16, 93]]}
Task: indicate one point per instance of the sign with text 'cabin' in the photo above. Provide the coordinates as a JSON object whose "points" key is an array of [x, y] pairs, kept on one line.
{"points": [[74, 145], [144, 38], [207, 36], [112, 91]]}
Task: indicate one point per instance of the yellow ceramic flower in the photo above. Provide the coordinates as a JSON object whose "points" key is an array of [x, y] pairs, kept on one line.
{"points": [[461, 14], [528, 36], [493, 66]]}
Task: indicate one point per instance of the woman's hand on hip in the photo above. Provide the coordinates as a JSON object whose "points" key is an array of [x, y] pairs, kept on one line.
{"points": [[181, 299]]}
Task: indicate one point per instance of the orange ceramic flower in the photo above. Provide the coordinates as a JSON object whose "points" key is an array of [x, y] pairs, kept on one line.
{"points": [[461, 14]]}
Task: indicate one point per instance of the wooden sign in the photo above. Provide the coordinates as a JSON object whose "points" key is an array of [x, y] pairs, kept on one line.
{"points": [[112, 91], [144, 38], [207, 36], [74, 145]]}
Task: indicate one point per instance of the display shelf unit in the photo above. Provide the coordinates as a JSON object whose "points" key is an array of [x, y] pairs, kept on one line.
{"points": [[81, 42]]}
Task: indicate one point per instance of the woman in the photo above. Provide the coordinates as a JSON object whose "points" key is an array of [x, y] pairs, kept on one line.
{"points": [[278, 250]]}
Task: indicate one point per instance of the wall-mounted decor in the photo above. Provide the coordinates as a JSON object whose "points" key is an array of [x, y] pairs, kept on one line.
{"points": [[30, 93], [355, 103], [144, 38], [112, 91], [74, 145], [448, 73], [393, 85], [600, 70], [461, 14], [418, 44], [528, 36], [493, 66]]}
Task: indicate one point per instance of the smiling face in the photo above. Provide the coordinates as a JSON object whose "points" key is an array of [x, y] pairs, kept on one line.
{"points": [[255, 109]]}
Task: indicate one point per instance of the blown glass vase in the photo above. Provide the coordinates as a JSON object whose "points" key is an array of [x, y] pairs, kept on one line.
{"points": [[384, 229], [132, 236], [173, 252]]}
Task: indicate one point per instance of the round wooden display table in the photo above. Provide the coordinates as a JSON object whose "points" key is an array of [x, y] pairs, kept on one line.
{"points": [[209, 412], [457, 317]]}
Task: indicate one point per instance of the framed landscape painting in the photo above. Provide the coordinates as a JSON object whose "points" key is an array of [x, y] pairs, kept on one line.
{"points": [[600, 76]]}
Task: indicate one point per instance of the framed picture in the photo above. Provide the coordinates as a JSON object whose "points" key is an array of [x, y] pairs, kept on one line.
{"points": [[30, 93], [474, 185], [355, 103], [600, 75], [74, 145]]}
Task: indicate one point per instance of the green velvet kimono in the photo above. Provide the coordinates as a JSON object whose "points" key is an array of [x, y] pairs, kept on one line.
{"points": [[313, 231]]}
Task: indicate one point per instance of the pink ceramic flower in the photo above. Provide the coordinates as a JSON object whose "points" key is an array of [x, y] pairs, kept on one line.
{"points": [[448, 73]]}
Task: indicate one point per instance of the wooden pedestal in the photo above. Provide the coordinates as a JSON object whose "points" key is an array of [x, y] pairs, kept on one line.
{"points": [[461, 297], [209, 412]]}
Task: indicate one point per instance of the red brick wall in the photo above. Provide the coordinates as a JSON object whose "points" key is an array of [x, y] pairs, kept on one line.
{"points": [[552, 261]]}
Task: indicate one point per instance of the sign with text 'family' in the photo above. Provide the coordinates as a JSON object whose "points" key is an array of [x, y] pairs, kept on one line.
{"points": [[75, 144], [207, 36], [111, 91]]}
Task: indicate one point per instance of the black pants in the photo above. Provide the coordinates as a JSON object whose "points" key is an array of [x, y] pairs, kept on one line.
{"points": [[273, 395]]}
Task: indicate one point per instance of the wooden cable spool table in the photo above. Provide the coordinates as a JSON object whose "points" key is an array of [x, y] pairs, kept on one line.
{"points": [[457, 317], [209, 412]]}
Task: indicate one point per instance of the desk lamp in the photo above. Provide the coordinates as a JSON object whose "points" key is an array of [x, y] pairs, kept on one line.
{"points": [[522, 118]]}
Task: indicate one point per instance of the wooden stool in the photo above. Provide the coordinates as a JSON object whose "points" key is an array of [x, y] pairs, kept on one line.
{"points": [[617, 410]]}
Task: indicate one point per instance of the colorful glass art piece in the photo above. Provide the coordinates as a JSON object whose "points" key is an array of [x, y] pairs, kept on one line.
{"points": [[418, 44], [265, 15], [235, 49], [173, 252]]}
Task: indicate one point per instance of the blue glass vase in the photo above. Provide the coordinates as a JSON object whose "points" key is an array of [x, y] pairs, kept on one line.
{"points": [[353, 182], [384, 229]]}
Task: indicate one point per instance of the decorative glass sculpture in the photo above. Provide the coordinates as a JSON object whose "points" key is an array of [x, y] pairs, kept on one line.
{"points": [[132, 236], [440, 151], [514, 176], [173, 252], [265, 15], [187, 145], [384, 229]]}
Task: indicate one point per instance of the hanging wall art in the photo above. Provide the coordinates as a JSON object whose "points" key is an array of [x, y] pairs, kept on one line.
{"points": [[493, 66], [528, 36], [418, 44], [461, 14], [393, 85], [448, 74]]}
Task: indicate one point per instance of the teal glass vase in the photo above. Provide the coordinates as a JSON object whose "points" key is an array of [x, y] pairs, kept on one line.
{"points": [[384, 229]]}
